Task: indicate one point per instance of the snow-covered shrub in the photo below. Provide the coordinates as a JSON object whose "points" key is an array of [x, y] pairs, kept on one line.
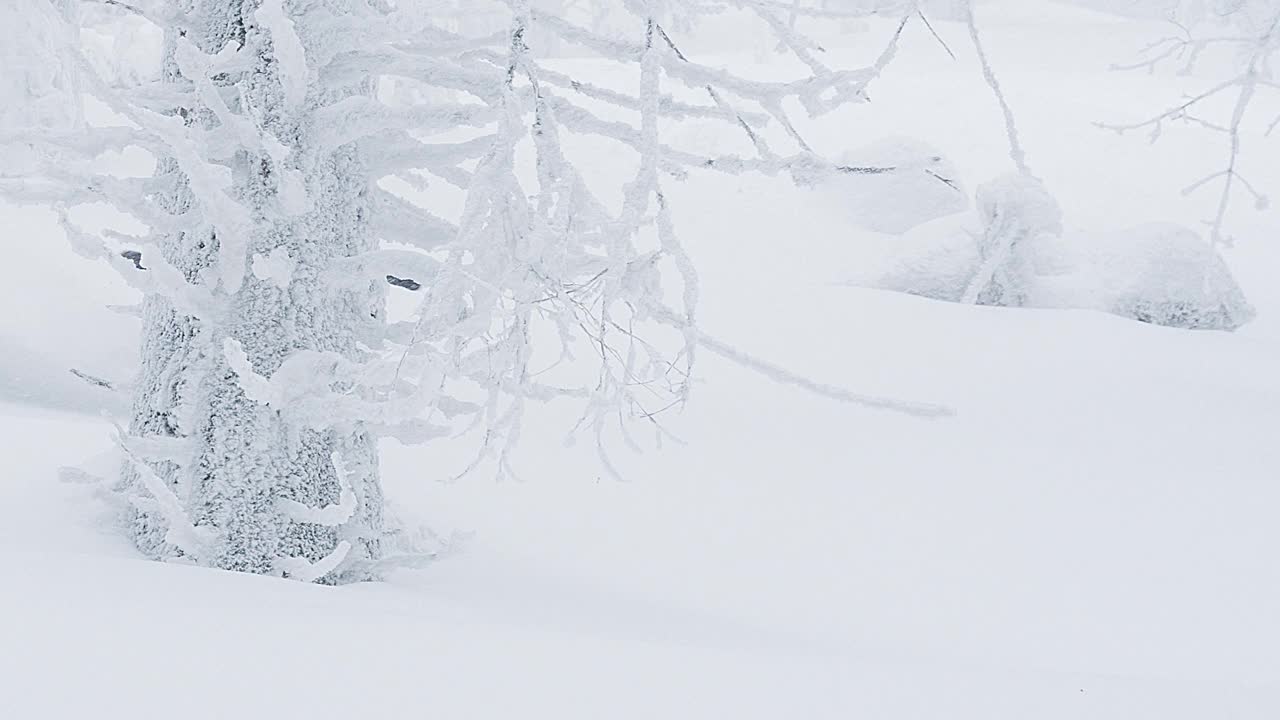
{"points": [[1158, 273], [901, 183], [1017, 215], [985, 258], [1012, 253]]}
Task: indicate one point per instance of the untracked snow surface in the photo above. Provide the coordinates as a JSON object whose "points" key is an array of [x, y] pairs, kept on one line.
{"points": [[1092, 536]]}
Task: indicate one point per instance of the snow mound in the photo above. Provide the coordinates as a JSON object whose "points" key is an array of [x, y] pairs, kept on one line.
{"points": [[922, 186], [934, 260]]}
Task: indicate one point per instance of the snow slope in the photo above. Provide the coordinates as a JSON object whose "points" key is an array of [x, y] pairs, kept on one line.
{"points": [[1091, 536]]}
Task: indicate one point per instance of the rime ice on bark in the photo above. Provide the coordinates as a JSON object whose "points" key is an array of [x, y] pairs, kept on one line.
{"points": [[257, 244]]}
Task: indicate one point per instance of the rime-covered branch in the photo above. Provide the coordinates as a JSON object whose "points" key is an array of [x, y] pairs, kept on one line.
{"points": [[1016, 152]]}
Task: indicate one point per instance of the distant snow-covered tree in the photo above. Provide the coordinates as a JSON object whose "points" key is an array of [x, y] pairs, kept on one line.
{"points": [[292, 192], [1248, 32]]}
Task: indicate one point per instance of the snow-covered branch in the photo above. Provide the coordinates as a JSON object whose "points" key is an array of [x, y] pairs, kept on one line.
{"points": [[330, 515]]}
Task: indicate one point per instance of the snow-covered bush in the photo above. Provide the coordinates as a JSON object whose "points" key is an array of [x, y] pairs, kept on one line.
{"points": [[987, 258], [1013, 253], [1018, 214], [1159, 273]]}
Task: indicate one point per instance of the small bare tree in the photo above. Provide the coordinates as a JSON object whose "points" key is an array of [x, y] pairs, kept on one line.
{"points": [[1250, 31]]}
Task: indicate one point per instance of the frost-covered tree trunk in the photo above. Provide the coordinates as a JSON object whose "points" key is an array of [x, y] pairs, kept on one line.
{"points": [[236, 461]]}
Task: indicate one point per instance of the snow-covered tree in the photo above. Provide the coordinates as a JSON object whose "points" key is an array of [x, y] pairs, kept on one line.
{"points": [[292, 192], [1248, 31]]}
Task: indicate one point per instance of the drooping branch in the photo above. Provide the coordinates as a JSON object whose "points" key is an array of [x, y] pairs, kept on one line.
{"points": [[1016, 151]]}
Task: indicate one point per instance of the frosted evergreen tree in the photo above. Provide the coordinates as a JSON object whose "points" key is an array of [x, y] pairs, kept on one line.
{"points": [[269, 367]]}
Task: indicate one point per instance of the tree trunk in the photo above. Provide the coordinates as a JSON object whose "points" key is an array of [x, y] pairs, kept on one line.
{"points": [[240, 457]]}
